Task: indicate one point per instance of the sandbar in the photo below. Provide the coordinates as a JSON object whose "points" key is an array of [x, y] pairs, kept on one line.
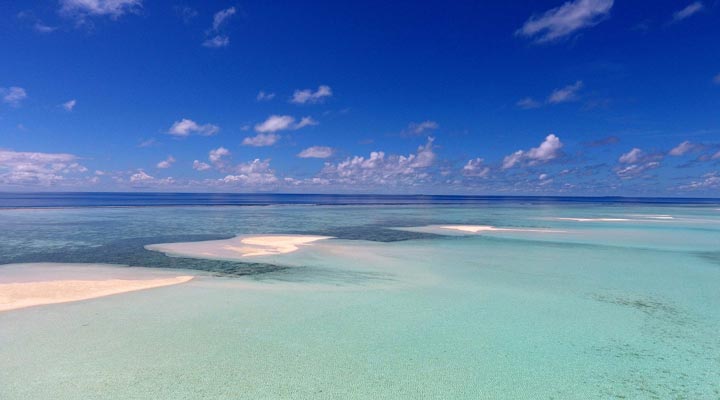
{"points": [[238, 247], [488, 228], [18, 290], [475, 229], [593, 219]]}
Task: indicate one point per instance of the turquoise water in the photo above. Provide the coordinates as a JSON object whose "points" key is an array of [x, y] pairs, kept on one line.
{"points": [[593, 310]]}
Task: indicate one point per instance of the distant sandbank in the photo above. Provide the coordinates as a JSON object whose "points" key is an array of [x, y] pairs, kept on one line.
{"points": [[445, 229], [592, 219], [488, 228]]}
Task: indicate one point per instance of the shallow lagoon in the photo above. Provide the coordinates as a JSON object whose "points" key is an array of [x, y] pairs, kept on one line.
{"points": [[627, 308]]}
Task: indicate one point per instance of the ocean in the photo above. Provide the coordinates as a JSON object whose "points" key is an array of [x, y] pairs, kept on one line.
{"points": [[565, 298]]}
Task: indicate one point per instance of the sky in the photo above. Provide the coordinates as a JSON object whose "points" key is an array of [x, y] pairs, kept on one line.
{"points": [[579, 97]]}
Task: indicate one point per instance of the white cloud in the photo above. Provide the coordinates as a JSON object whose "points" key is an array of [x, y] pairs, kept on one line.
{"points": [[420, 128], [716, 156], [510, 160], [141, 176], [42, 28], [382, 169], [167, 163], [636, 162], [147, 143], [633, 170], [716, 79], [308, 96], [69, 105], [145, 180], [528, 103], [13, 95], [305, 121], [216, 38], [200, 166], [316, 152], [561, 95], [275, 123], [631, 156], [549, 149], [217, 155], [263, 96], [565, 20], [44, 169], [711, 180], [112, 8], [221, 17], [688, 11], [545, 180], [186, 127], [565, 94], [261, 140], [476, 168], [217, 41], [254, 173], [683, 148]]}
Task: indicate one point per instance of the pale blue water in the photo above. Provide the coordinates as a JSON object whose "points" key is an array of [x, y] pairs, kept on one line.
{"points": [[603, 309]]}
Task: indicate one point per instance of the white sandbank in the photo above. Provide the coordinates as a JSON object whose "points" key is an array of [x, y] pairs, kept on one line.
{"points": [[476, 229], [658, 216], [238, 247], [593, 219], [636, 218], [52, 284], [488, 228]]}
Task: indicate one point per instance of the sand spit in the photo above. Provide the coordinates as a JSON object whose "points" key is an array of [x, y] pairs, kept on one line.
{"points": [[18, 290], [488, 228], [661, 216], [593, 219], [238, 247], [475, 229]]}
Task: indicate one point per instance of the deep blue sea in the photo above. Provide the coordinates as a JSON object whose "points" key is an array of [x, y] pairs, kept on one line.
{"points": [[119, 199]]}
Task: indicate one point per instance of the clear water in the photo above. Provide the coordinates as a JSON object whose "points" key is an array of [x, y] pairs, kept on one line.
{"points": [[625, 309]]}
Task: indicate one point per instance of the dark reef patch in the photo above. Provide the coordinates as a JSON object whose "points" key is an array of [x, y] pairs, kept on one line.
{"points": [[711, 256], [132, 252], [646, 305], [373, 233]]}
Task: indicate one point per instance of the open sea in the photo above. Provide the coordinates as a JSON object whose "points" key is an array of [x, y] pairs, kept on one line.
{"points": [[581, 298]]}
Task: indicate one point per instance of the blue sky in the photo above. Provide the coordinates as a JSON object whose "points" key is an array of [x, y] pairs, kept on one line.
{"points": [[584, 97]]}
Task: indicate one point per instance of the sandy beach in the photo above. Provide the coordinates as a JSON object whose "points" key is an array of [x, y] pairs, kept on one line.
{"points": [[238, 247]]}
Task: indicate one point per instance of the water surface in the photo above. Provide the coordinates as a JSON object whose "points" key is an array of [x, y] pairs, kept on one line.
{"points": [[596, 309]]}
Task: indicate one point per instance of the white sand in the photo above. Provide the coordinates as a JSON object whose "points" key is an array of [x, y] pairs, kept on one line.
{"points": [[593, 219], [488, 228], [476, 229], [659, 216], [51, 283], [238, 247]]}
